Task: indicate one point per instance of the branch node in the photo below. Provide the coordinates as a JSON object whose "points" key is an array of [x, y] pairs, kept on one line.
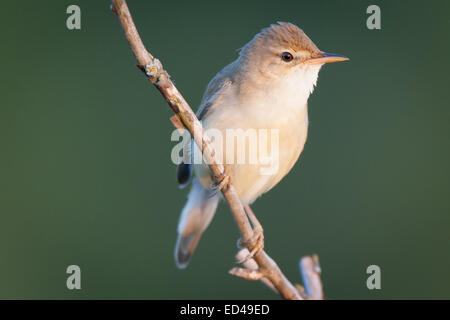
{"points": [[153, 70], [178, 124], [316, 266], [113, 9], [252, 265], [301, 291], [246, 274]]}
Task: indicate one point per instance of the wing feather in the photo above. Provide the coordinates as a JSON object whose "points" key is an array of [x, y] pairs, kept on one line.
{"points": [[216, 89]]}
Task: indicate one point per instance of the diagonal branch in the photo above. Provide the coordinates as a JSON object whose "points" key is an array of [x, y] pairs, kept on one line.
{"points": [[161, 79]]}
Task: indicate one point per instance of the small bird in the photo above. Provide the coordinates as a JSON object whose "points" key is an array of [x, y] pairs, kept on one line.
{"points": [[266, 87]]}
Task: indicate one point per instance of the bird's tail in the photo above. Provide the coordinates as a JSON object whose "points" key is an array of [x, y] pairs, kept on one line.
{"points": [[195, 218]]}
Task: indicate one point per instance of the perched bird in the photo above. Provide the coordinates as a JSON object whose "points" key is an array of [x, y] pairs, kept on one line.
{"points": [[266, 87]]}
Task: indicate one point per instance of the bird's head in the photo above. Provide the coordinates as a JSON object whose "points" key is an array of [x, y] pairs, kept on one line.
{"points": [[283, 50]]}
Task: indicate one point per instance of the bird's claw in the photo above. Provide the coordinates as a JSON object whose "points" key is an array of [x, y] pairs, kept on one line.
{"points": [[221, 183], [256, 242]]}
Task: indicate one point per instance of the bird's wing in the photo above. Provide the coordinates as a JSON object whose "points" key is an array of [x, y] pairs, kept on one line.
{"points": [[215, 90]]}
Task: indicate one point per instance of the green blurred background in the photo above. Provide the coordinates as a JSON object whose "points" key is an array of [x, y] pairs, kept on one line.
{"points": [[86, 176]]}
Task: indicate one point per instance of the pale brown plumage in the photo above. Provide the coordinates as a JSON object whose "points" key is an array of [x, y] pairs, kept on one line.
{"points": [[282, 34], [257, 91]]}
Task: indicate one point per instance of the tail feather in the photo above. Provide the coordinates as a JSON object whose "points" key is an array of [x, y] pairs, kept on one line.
{"points": [[184, 174], [195, 218]]}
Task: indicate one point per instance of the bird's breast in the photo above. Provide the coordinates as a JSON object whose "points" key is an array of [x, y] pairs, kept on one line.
{"points": [[274, 125]]}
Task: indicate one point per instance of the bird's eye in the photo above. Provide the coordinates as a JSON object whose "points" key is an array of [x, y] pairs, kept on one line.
{"points": [[287, 56]]}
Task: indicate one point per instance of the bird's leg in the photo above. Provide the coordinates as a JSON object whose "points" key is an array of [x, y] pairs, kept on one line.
{"points": [[221, 183], [256, 242]]}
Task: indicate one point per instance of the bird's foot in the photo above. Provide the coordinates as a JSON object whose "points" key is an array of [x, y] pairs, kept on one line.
{"points": [[221, 183], [255, 244]]}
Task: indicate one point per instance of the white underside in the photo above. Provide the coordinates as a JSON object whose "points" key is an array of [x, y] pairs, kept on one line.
{"points": [[281, 106]]}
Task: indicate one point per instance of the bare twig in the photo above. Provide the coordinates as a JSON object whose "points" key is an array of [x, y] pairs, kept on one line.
{"points": [[161, 79], [251, 264], [310, 270], [247, 273]]}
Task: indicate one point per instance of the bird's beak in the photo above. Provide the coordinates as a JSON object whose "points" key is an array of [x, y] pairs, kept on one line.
{"points": [[326, 58]]}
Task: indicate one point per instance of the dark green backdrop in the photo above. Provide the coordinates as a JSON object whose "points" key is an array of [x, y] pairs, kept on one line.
{"points": [[86, 176]]}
